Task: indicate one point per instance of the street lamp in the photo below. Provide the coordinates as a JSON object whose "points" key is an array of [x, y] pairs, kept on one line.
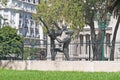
{"points": [[25, 29], [32, 42], [103, 19]]}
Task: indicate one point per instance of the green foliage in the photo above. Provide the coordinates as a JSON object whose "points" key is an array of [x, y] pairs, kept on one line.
{"points": [[30, 51], [26, 52], [74, 13], [57, 75], [114, 7], [57, 10], [10, 41], [90, 7], [4, 2], [42, 10]]}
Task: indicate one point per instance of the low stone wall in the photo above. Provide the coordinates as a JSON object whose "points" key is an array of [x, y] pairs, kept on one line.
{"points": [[86, 66]]}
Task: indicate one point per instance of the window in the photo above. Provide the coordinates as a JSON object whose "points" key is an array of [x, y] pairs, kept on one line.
{"points": [[31, 23], [28, 0], [87, 38], [38, 1], [81, 39], [108, 39], [20, 23], [87, 42], [20, 15], [0, 23], [33, 1]]}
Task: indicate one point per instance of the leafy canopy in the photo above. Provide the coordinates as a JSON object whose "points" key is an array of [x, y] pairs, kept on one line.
{"points": [[57, 10], [10, 41]]}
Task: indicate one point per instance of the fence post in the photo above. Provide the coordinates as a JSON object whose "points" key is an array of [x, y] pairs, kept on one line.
{"points": [[89, 50]]}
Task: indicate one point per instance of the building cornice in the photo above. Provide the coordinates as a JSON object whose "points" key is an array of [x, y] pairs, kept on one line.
{"points": [[17, 9], [88, 29]]}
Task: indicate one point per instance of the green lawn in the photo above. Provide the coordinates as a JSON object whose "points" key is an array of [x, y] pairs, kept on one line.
{"points": [[56, 75]]}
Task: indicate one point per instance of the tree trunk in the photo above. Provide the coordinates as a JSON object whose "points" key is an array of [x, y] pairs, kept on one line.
{"points": [[93, 40], [96, 43], [114, 39], [100, 44]]}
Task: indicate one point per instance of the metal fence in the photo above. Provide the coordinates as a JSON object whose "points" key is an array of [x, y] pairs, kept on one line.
{"points": [[77, 52], [84, 51]]}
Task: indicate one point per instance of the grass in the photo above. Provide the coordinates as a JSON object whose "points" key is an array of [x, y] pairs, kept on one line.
{"points": [[56, 75]]}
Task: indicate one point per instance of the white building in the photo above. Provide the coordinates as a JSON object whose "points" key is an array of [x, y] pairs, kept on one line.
{"points": [[18, 14], [82, 50]]}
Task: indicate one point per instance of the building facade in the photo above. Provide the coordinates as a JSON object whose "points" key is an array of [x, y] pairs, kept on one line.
{"points": [[81, 48], [18, 14]]}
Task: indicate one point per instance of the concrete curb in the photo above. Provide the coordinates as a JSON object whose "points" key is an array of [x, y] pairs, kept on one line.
{"points": [[85, 66]]}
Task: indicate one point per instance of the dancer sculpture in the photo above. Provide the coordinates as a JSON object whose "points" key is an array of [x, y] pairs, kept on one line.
{"points": [[66, 41], [52, 34]]}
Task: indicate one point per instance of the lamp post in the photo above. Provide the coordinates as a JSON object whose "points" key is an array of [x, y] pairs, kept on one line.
{"points": [[32, 42], [25, 29], [103, 18]]}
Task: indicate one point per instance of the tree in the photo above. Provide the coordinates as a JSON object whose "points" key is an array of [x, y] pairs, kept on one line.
{"points": [[89, 20], [11, 44], [90, 9], [68, 10], [114, 7], [74, 14], [4, 2], [77, 13]]}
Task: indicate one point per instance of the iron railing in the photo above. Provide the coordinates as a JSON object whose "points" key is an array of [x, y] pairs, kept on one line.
{"points": [[77, 52]]}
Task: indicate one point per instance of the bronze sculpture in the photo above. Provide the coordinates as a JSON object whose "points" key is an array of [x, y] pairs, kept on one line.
{"points": [[66, 41], [52, 34]]}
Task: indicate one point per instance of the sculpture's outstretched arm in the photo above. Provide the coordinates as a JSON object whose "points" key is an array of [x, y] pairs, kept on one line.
{"points": [[44, 24], [56, 25], [59, 30]]}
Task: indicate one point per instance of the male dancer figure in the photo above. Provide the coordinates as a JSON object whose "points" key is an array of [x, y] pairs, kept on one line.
{"points": [[66, 41]]}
